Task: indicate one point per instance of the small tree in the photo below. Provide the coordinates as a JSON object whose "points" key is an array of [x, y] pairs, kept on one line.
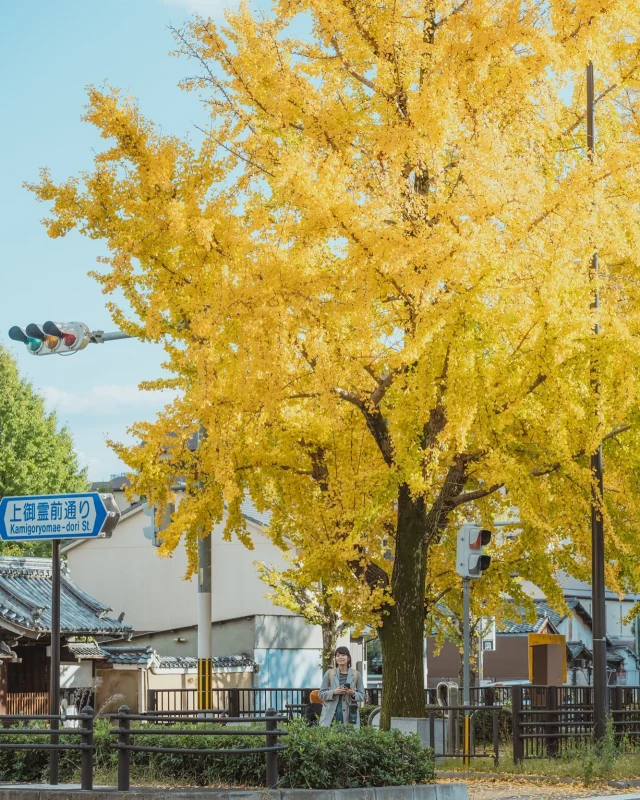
{"points": [[36, 456], [313, 603]]}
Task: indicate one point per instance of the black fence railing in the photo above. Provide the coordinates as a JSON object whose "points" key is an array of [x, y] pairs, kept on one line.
{"points": [[550, 721], [236, 702], [17, 726], [450, 737], [126, 736], [479, 696]]}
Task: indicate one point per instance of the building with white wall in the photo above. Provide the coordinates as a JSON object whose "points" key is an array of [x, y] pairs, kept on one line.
{"points": [[160, 604]]}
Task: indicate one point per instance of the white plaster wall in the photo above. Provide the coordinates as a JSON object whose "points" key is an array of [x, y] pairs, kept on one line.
{"points": [[76, 674], [126, 573], [575, 630]]}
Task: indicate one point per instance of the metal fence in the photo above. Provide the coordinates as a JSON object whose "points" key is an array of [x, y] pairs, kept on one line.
{"points": [[53, 732], [125, 744], [18, 726], [447, 734], [236, 702], [479, 696], [550, 721]]}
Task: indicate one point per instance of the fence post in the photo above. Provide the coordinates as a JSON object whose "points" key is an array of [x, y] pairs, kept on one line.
{"points": [[151, 700], [272, 756], [552, 730], [86, 780], [124, 756], [234, 703], [617, 705], [496, 735], [516, 707], [432, 733]]}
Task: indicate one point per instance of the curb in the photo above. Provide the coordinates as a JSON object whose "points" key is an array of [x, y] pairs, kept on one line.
{"points": [[448, 791]]}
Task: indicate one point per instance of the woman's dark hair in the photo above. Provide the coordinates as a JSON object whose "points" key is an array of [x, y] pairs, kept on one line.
{"points": [[343, 651]]}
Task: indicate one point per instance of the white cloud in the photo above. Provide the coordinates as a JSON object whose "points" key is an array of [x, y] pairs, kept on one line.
{"points": [[104, 400], [206, 8]]}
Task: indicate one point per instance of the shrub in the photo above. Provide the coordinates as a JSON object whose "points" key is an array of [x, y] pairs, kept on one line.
{"points": [[315, 758], [346, 758]]}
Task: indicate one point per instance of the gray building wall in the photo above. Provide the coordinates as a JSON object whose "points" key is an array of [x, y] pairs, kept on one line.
{"points": [[229, 638]]}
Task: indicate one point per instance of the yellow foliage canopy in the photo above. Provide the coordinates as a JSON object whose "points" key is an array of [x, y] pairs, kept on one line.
{"points": [[372, 280]]}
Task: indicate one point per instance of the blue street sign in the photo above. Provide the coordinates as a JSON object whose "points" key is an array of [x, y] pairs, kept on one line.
{"points": [[57, 516]]}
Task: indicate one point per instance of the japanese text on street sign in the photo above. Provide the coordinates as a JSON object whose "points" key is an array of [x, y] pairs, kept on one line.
{"points": [[71, 516]]}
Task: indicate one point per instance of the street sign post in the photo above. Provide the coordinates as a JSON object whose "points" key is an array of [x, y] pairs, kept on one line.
{"points": [[57, 516], [83, 515]]}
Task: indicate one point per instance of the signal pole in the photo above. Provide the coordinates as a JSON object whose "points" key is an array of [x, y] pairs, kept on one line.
{"points": [[466, 693], [471, 562]]}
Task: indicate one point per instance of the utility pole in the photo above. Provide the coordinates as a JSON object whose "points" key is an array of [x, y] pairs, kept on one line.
{"points": [[598, 606], [205, 661], [205, 665]]}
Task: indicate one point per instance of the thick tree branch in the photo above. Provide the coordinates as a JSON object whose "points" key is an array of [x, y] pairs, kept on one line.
{"points": [[478, 494], [376, 423]]}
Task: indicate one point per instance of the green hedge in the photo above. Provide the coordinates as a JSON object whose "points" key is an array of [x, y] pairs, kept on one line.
{"points": [[316, 758]]}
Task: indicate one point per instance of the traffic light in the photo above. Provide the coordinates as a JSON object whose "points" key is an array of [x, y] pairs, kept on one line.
{"points": [[156, 523], [471, 561], [52, 337]]}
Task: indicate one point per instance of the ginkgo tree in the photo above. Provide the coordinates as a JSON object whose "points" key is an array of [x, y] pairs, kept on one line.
{"points": [[372, 278]]}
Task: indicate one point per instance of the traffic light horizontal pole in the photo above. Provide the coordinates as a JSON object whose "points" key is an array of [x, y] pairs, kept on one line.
{"points": [[99, 337]]}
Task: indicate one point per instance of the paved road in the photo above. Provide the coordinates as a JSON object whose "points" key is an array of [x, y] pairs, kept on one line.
{"points": [[494, 790]]}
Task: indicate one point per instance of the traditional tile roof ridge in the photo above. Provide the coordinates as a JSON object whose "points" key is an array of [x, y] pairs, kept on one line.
{"points": [[146, 656], [545, 614], [25, 601], [130, 654], [574, 604], [84, 650], [544, 609], [575, 648]]}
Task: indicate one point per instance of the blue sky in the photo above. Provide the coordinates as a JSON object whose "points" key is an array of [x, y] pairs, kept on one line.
{"points": [[49, 52]]}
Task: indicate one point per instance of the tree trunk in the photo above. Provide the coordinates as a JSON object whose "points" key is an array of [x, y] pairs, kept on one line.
{"points": [[402, 631], [330, 632], [329, 640]]}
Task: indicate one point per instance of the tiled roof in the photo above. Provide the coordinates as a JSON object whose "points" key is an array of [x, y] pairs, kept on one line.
{"points": [[146, 656], [522, 625], [130, 654], [573, 604], [86, 650], [176, 662], [576, 648], [25, 600], [116, 484]]}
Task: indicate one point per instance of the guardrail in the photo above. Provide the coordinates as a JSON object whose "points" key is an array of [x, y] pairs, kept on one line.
{"points": [[125, 745], [54, 732]]}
